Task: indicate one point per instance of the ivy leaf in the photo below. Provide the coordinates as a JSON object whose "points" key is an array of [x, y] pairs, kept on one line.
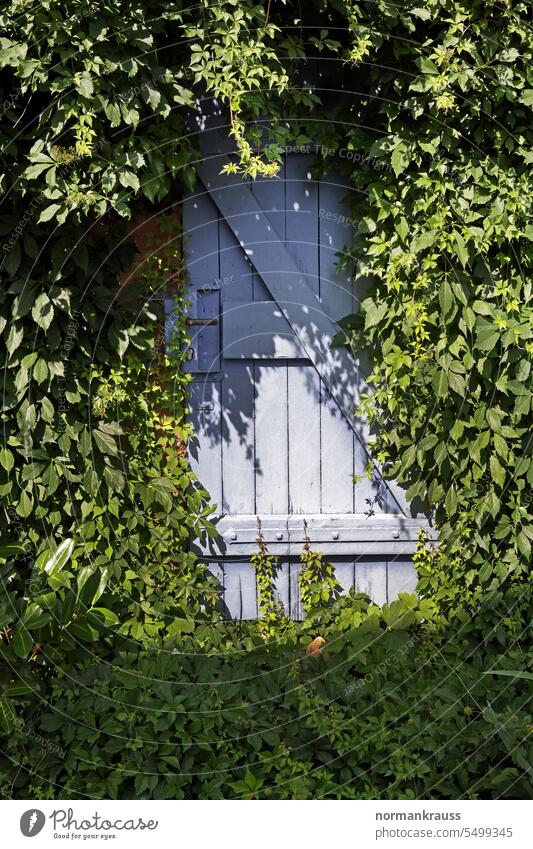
{"points": [[129, 180], [112, 112], [402, 228], [6, 459], [487, 335], [400, 158], [446, 298], [461, 249], [14, 338], [84, 85], [497, 472], [59, 559], [43, 311], [451, 501], [105, 442], [49, 212], [40, 371], [427, 66], [22, 643], [25, 505]]}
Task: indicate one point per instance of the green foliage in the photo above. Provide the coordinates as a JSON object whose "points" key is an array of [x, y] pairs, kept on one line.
{"points": [[95, 485], [316, 581], [401, 708], [443, 196], [266, 568]]}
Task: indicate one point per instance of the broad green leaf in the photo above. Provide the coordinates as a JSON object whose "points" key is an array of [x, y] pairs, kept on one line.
{"points": [[43, 311], [22, 642], [496, 470], [25, 505], [57, 562], [400, 158], [7, 459], [40, 371], [48, 213], [460, 249], [446, 298]]}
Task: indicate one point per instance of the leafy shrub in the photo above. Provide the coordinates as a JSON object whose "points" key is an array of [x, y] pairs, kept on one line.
{"points": [[401, 708]]}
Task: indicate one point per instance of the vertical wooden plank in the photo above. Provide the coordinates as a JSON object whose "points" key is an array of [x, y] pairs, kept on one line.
{"points": [[338, 442], [301, 235], [238, 454], [344, 572], [270, 195], [271, 459], [217, 570], [205, 450], [301, 216], [205, 341], [295, 610], [200, 238], [370, 495], [238, 460], [401, 577], [371, 578], [304, 438], [335, 234], [236, 272], [337, 445], [240, 594], [282, 585]]}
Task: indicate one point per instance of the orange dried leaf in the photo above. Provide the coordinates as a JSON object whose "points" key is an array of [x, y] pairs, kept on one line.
{"points": [[315, 646]]}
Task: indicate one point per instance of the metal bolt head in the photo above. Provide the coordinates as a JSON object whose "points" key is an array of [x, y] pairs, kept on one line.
{"points": [[279, 535], [395, 534], [233, 534], [335, 535]]}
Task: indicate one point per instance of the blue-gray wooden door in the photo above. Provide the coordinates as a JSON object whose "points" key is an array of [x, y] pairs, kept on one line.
{"points": [[272, 404]]}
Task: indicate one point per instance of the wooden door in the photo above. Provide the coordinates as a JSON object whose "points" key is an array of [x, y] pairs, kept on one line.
{"points": [[273, 405]]}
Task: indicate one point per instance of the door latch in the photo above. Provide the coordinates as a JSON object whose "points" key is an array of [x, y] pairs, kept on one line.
{"points": [[201, 322]]}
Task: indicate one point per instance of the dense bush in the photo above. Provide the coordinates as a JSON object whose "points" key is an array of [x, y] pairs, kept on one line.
{"points": [[392, 706], [444, 198]]}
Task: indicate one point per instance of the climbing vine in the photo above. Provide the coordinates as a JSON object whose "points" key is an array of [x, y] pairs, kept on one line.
{"points": [[98, 500]]}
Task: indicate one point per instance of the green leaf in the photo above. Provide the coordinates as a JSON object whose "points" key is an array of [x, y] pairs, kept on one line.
{"points": [[427, 66], [105, 442], [6, 459], [34, 617], [460, 249], [400, 158], [15, 337], [22, 642], [129, 179], [102, 614], [84, 85], [497, 472], [446, 298], [83, 631], [21, 688], [25, 505], [59, 558], [450, 501], [40, 371], [487, 335], [402, 228], [49, 212], [43, 311]]}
